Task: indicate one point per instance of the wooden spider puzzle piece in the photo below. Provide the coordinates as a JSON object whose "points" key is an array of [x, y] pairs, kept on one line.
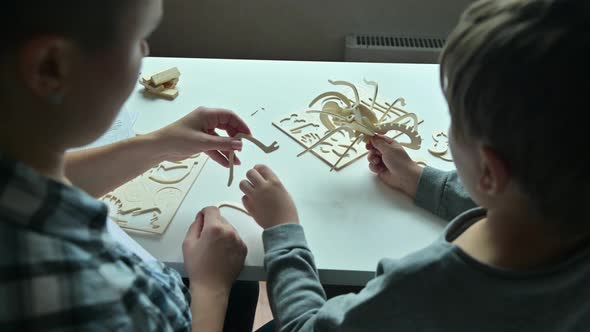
{"points": [[162, 84], [348, 121], [267, 149], [149, 202]]}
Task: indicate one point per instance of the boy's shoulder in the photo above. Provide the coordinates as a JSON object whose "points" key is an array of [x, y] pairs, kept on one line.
{"points": [[437, 258], [45, 278], [37, 261], [58, 264]]}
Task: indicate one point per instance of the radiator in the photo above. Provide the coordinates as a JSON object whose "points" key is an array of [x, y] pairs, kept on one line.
{"points": [[392, 48]]}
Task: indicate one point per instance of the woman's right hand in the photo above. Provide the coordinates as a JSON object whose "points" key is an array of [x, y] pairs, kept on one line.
{"points": [[393, 165], [213, 252]]}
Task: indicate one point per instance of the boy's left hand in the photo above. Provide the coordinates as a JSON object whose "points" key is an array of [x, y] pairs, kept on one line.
{"points": [[196, 133], [266, 199]]}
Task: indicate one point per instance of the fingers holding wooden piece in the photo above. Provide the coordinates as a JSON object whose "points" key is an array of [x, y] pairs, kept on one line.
{"points": [[267, 149], [219, 157]]}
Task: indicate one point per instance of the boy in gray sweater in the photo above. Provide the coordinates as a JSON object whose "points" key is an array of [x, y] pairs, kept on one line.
{"points": [[515, 75]]}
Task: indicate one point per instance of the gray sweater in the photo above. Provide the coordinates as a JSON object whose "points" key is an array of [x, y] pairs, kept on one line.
{"points": [[439, 288]]}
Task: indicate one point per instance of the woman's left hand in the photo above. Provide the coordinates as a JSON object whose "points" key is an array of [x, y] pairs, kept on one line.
{"points": [[196, 132]]}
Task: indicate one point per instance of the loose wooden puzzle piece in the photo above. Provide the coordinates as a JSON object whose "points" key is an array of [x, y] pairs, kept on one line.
{"points": [[440, 148], [267, 149], [149, 202], [162, 84], [421, 162], [337, 132], [258, 110], [234, 206]]}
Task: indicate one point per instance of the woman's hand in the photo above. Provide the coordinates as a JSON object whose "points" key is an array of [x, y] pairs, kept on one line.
{"points": [[196, 132]]}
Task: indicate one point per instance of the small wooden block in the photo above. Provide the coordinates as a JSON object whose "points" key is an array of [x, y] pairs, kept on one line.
{"points": [[165, 76], [147, 85], [166, 93], [171, 84]]}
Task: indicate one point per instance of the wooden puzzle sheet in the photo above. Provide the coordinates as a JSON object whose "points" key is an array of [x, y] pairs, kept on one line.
{"points": [[149, 202], [307, 129]]}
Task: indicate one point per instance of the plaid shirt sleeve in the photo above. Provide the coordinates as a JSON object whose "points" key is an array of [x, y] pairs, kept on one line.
{"points": [[61, 271]]}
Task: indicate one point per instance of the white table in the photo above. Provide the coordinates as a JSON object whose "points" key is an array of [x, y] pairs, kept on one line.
{"points": [[350, 218]]}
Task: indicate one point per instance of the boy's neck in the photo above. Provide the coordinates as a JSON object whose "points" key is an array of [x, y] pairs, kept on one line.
{"points": [[27, 136], [518, 242], [40, 157]]}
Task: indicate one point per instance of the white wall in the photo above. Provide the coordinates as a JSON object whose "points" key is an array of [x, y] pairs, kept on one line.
{"points": [[291, 29]]}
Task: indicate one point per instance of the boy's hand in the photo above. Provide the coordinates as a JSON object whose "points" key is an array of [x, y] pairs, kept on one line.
{"points": [[266, 199], [391, 163], [196, 133], [213, 252]]}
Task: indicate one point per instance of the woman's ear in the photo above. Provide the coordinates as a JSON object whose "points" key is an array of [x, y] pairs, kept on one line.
{"points": [[495, 174], [44, 64]]}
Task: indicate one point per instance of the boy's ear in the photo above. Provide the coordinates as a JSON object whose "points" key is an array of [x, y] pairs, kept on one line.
{"points": [[495, 174], [44, 64]]}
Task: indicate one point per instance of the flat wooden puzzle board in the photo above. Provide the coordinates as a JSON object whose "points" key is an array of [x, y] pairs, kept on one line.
{"points": [[149, 202], [306, 129]]}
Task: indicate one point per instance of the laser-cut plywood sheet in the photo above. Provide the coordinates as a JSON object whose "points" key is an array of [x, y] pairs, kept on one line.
{"points": [[307, 128], [149, 202]]}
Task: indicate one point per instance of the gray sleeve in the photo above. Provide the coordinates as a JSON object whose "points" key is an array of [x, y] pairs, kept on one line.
{"points": [[296, 296], [442, 193]]}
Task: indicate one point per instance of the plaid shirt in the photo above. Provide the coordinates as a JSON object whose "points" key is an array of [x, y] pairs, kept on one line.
{"points": [[61, 271]]}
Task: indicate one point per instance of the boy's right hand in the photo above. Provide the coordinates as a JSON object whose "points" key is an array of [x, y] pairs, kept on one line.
{"points": [[266, 199], [213, 252], [393, 165]]}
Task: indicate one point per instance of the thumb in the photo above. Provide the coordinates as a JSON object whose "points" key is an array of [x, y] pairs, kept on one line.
{"points": [[381, 142], [212, 217], [387, 139], [214, 142], [196, 228]]}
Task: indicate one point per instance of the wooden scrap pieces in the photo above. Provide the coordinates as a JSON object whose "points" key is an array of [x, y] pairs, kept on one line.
{"points": [[162, 84], [440, 148]]}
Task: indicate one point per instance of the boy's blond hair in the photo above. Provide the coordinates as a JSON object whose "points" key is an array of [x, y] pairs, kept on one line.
{"points": [[516, 74]]}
